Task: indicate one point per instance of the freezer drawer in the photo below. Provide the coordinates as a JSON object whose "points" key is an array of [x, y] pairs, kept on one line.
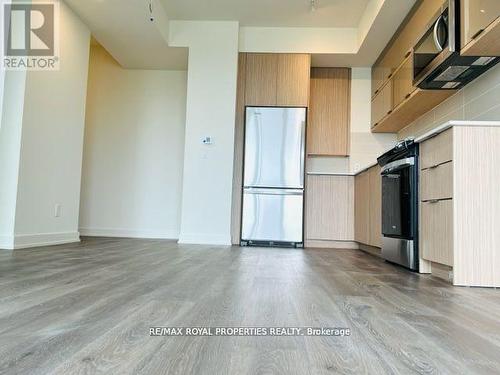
{"points": [[275, 147], [273, 215]]}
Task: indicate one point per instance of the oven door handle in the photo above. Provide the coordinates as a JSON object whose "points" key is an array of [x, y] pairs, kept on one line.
{"points": [[397, 165]]}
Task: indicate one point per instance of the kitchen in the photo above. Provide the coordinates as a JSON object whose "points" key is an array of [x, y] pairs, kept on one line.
{"points": [[412, 206], [240, 187]]}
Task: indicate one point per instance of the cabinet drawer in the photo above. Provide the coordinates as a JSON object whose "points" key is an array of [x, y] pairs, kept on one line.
{"points": [[437, 150], [436, 231], [437, 183]]}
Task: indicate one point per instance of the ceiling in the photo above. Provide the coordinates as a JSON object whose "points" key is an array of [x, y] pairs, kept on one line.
{"points": [[124, 29], [275, 13], [337, 33]]}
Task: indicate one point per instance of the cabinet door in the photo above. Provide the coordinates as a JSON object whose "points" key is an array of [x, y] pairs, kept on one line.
{"points": [[437, 150], [382, 104], [330, 208], [436, 231], [293, 77], [380, 74], [261, 82], [375, 207], [403, 81], [478, 15], [362, 208], [329, 112]]}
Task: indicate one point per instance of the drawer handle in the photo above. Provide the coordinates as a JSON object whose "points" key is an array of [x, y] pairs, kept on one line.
{"points": [[477, 34], [434, 166], [433, 201], [407, 96]]}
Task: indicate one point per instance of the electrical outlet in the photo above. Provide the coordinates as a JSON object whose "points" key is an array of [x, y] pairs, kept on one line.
{"points": [[57, 210]]}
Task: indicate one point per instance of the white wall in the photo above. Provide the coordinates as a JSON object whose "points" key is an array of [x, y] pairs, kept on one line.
{"points": [[51, 143], [2, 79], [365, 146], [133, 152], [10, 149], [479, 100], [211, 101]]}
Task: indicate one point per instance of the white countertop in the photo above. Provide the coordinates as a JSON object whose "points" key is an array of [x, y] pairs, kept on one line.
{"points": [[450, 124], [350, 173], [331, 174]]}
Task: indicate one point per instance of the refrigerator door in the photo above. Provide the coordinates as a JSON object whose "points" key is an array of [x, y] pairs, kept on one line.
{"points": [[273, 215], [275, 147]]}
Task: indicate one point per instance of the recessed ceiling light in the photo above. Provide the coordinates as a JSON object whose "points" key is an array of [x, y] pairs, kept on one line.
{"points": [[482, 11]]}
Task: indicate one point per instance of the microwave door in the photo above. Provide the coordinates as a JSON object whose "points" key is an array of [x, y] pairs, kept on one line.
{"points": [[274, 147]]}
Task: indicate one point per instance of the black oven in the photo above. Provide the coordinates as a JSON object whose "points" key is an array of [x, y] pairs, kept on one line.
{"points": [[397, 185], [400, 204]]}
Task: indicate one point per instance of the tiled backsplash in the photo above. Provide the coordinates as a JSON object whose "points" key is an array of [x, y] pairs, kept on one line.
{"points": [[480, 101]]}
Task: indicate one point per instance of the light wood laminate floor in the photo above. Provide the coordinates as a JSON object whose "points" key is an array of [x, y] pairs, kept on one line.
{"points": [[87, 308]]}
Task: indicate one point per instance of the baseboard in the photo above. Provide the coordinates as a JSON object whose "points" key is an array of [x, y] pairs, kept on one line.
{"points": [[377, 251], [127, 233], [6, 243], [205, 239], [442, 272], [328, 244], [25, 241]]}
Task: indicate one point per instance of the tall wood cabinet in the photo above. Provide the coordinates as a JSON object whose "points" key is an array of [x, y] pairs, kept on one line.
{"points": [[368, 207], [265, 79], [329, 112]]}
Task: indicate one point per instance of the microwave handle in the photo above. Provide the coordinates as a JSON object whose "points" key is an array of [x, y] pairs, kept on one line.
{"points": [[452, 24], [435, 34]]}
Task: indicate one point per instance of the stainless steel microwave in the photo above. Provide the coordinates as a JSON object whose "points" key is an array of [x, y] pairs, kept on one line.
{"points": [[437, 63]]}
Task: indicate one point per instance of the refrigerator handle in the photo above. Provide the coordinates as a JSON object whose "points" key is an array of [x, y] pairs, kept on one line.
{"points": [[264, 191], [303, 152]]}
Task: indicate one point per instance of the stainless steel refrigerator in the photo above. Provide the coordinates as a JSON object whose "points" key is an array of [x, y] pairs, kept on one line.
{"points": [[273, 182]]}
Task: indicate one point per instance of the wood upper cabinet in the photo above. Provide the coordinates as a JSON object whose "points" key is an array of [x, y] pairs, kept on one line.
{"points": [[403, 81], [480, 27], [395, 102], [329, 112], [407, 35], [261, 82], [380, 74], [382, 103], [277, 79], [293, 75]]}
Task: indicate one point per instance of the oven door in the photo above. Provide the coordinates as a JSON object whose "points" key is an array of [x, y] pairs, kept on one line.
{"points": [[397, 199]]}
